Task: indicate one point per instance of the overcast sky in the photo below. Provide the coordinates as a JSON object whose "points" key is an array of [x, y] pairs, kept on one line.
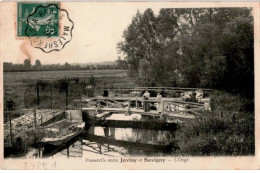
{"points": [[98, 27]]}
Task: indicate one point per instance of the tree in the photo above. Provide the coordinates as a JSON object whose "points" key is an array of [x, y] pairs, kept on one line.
{"points": [[38, 64], [205, 47], [7, 66], [238, 47], [121, 64], [67, 66], [140, 44], [27, 64]]}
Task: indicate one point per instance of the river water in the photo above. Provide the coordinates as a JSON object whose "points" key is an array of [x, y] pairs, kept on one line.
{"points": [[108, 141], [119, 142], [113, 142]]}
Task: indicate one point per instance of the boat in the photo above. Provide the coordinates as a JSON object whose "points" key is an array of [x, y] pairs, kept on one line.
{"points": [[58, 137]]}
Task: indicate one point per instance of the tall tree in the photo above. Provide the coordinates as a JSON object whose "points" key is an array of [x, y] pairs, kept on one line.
{"points": [[38, 64], [27, 64]]}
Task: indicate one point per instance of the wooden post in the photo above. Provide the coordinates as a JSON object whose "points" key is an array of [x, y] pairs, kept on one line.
{"points": [[68, 152], [51, 96], [66, 92], [41, 118], [80, 104], [37, 93], [136, 103], [80, 101], [11, 134], [162, 113], [162, 108], [128, 108], [100, 149], [92, 90], [39, 152], [34, 120], [97, 107]]}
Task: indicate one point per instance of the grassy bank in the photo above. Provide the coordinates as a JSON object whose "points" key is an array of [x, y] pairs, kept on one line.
{"points": [[227, 130]]}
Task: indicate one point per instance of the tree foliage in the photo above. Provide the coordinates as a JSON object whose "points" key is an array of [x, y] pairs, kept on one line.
{"points": [[10, 67], [27, 63], [38, 64], [206, 47]]}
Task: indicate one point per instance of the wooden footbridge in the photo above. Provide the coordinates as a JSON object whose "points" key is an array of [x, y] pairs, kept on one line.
{"points": [[166, 107]]}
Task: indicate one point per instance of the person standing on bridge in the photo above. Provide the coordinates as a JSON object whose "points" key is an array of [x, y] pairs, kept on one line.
{"points": [[89, 89], [159, 99], [105, 94], [146, 97]]}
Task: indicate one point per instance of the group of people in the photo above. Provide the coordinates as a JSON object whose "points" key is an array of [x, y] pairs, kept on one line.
{"points": [[146, 97]]}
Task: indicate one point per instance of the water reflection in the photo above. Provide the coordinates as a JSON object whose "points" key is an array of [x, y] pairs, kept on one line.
{"points": [[116, 142], [146, 136], [110, 141]]}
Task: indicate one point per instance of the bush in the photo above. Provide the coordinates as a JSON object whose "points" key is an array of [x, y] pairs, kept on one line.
{"points": [[219, 134]]}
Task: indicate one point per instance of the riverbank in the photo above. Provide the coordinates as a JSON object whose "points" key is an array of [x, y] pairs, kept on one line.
{"points": [[227, 130]]}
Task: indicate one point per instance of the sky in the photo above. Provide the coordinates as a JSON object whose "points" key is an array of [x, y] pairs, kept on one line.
{"points": [[98, 27]]}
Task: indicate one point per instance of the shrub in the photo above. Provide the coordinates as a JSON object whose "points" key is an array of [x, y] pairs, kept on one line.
{"points": [[219, 134]]}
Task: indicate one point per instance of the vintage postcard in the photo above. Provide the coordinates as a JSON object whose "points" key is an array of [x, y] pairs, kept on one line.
{"points": [[129, 85]]}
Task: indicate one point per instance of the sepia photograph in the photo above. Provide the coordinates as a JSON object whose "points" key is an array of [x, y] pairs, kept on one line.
{"points": [[128, 84]]}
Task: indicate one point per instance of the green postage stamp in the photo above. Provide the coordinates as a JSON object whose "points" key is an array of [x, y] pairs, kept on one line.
{"points": [[47, 26], [38, 19]]}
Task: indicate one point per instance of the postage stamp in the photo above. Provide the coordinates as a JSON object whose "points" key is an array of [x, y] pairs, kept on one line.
{"points": [[37, 19], [48, 27]]}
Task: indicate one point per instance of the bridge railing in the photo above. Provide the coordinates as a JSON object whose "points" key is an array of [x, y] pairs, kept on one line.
{"points": [[167, 92], [165, 105]]}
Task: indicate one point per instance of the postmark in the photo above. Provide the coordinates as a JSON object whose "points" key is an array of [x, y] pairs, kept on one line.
{"points": [[48, 27], [43, 22], [42, 18]]}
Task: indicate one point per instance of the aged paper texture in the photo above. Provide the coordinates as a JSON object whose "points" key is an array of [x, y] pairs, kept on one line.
{"points": [[129, 85]]}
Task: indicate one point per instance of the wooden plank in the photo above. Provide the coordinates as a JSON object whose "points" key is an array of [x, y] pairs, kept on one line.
{"points": [[140, 111], [187, 116], [187, 110], [105, 109], [50, 150], [152, 125], [156, 88], [175, 88], [196, 113]]}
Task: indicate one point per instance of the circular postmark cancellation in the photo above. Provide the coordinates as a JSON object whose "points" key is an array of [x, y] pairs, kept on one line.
{"points": [[49, 28]]}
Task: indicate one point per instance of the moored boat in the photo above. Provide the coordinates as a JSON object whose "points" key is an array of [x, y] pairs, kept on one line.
{"points": [[59, 137]]}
